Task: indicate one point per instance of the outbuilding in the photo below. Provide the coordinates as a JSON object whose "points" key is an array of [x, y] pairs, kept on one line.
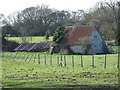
{"points": [[83, 40], [34, 47]]}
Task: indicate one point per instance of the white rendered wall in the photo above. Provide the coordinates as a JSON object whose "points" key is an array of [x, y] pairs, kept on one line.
{"points": [[77, 49], [96, 45], [96, 42]]}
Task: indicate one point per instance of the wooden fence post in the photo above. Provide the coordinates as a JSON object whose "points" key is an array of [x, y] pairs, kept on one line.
{"points": [[51, 60], [58, 60], [81, 61], [93, 60], [34, 58], [38, 59], [73, 61], [65, 60], [45, 59], [105, 61], [61, 58], [118, 60]]}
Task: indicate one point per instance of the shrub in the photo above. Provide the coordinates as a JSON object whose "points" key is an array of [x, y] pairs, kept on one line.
{"points": [[9, 46]]}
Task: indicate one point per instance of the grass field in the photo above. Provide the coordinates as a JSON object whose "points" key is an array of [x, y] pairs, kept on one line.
{"points": [[18, 73], [35, 39], [41, 70]]}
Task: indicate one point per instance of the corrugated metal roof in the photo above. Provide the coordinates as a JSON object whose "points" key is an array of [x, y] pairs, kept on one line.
{"points": [[43, 46], [74, 34], [20, 46]]}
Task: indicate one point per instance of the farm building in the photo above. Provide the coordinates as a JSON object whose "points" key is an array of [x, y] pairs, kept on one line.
{"points": [[82, 40], [34, 47]]}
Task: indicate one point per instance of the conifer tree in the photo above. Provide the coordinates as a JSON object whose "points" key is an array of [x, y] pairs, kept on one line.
{"points": [[59, 34]]}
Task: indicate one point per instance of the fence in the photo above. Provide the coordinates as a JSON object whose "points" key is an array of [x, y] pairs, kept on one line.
{"points": [[94, 61]]}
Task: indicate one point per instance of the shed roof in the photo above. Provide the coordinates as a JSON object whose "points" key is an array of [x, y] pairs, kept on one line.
{"points": [[43, 46], [75, 34]]}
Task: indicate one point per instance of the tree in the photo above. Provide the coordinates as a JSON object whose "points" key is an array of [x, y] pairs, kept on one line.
{"points": [[59, 34], [111, 10], [2, 35], [118, 29], [2, 17], [105, 17], [35, 21], [8, 30]]}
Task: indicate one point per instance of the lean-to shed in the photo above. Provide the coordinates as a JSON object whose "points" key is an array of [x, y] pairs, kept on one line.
{"points": [[34, 47]]}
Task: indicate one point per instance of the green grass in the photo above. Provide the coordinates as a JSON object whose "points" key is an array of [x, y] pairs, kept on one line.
{"points": [[111, 59], [35, 39], [18, 73]]}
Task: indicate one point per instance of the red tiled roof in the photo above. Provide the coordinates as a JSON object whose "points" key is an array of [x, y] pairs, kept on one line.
{"points": [[75, 33]]}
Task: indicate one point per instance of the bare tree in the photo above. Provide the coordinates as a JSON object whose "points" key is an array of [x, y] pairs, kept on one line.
{"points": [[85, 42], [118, 29], [111, 11]]}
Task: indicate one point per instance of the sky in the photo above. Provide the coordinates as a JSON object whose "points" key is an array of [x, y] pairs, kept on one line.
{"points": [[9, 6]]}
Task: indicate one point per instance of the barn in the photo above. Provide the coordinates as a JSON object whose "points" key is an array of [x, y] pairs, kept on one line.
{"points": [[83, 40]]}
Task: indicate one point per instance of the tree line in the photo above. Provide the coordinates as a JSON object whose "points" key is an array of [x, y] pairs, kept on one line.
{"points": [[38, 20]]}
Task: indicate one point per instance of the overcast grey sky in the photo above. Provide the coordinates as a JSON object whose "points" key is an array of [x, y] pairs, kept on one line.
{"points": [[9, 6]]}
